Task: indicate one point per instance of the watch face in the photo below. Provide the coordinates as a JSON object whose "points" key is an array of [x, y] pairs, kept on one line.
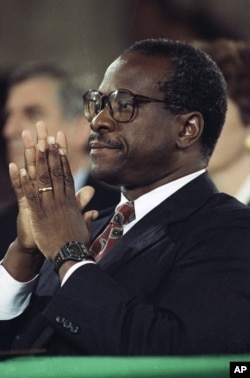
{"points": [[72, 251], [75, 251]]}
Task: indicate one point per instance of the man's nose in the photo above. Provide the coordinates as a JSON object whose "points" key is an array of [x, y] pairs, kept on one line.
{"points": [[12, 127], [103, 121]]}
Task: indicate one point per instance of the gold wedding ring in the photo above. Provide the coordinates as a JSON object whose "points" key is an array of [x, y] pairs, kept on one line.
{"points": [[45, 189]]}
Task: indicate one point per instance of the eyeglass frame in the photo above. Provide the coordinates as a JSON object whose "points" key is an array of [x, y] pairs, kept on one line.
{"points": [[136, 98]]}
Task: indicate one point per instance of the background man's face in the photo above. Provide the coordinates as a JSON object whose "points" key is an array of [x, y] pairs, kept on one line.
{"points": [[27, 103]]}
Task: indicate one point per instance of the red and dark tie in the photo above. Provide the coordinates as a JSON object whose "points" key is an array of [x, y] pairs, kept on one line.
{"points": [[124, 214]]}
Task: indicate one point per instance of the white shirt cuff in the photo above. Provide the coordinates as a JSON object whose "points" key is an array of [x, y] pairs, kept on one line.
{"points": [[73, 268], [14, 295]]}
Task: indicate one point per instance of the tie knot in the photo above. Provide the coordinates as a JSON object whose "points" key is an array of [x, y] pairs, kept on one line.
{"points": [[124, 214]]}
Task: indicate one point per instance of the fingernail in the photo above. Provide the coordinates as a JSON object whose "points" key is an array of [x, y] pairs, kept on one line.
{"points": [[23, 172], [61, 151], [51, 140], [41, 145]]}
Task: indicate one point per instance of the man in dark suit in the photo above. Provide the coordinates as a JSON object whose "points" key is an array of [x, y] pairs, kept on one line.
{"points": [[41, 90], [177, 281]]}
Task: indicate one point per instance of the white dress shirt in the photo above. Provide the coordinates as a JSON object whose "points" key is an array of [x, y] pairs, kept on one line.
{"points": [[243, 193], [15, 296], [80, 177]]}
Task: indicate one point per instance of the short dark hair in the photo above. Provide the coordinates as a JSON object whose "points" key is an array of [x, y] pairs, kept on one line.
{"points": [[197, 84], [69, 93], [233, 58]]}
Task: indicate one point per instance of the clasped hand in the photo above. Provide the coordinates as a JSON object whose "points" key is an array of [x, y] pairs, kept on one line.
{"points": [[50, 215]]}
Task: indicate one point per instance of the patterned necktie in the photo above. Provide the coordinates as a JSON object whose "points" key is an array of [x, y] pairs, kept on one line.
{"points": [[124, 214]]}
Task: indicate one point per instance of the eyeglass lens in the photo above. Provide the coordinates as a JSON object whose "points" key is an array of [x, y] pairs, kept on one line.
{"points": [[92, 104], [120, 104]]}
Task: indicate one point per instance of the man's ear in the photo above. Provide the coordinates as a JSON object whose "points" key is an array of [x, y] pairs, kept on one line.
{"points": [[191, 126]]}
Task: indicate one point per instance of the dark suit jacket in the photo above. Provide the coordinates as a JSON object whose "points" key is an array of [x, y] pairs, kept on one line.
{"points": [[178, 283], [105, 196]]}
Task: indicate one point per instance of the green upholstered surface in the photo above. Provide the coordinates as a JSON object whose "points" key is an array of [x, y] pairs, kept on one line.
{"points": [[108, 367]]}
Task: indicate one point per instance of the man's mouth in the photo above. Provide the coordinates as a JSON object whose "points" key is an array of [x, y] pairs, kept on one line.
{"points": [[98, 145], [100, 142]]}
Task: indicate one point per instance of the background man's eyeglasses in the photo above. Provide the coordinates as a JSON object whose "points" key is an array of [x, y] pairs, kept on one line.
{"points": [[121, 104]]}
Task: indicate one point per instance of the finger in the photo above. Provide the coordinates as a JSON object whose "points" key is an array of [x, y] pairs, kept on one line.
{"points": [[62, 143], [55, 168], [43, 179], [36, 158], [42, 135], [42, 171], [84, 195], [15, 180], [67, 174], [30, 192], [29, 153]]}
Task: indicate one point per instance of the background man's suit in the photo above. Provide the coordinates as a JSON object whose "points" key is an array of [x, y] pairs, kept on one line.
{"points": [[177, 283]]}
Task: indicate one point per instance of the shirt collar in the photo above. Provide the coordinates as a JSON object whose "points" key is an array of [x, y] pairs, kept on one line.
{"points": [[150, 200]]}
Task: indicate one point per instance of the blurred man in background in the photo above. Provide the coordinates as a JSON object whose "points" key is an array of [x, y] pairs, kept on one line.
{"points": [[7, 196], [229, 166]]}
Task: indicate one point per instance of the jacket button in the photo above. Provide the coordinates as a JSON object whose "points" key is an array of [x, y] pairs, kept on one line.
{"points": [[67, 324], [74, 329], [60, 319]]}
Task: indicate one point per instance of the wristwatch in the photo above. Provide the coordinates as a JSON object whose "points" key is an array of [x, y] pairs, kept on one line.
{"points": [[74, 251]]}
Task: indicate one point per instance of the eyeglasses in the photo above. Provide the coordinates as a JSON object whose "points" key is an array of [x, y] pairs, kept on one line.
{"points": [[121, 103]]}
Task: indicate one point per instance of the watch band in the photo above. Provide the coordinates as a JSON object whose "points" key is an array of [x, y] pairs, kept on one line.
{"points": [[73, 251]]}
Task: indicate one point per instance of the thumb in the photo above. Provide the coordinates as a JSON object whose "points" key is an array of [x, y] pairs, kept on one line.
{"points": [[15, 180], [84, 195], [89, 216]]}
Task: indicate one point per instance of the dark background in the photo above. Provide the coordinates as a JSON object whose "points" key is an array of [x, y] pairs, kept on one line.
{"points": [[86, 35]]}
